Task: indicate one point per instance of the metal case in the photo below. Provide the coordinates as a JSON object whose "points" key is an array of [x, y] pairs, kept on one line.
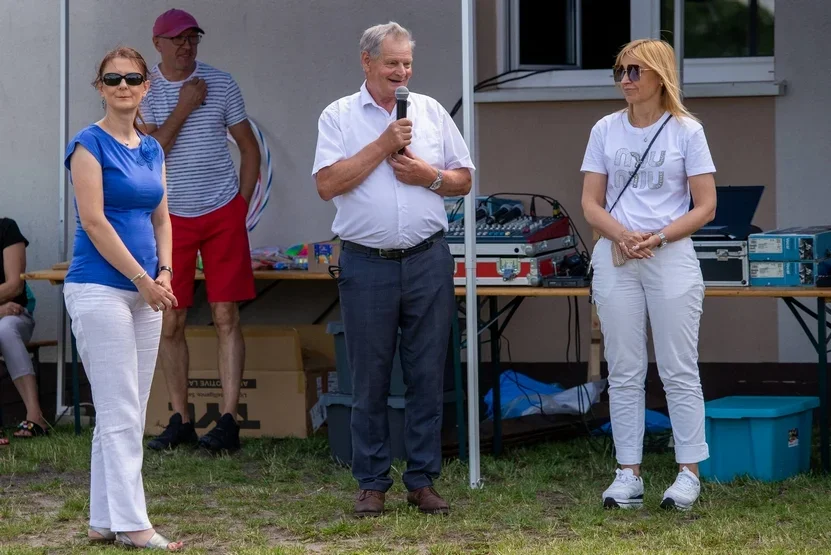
{"points": [[723, 263], [512, 270]]}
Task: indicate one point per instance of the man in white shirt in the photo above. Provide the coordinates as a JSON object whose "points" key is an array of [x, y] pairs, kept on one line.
{"points": [[396, 270]]}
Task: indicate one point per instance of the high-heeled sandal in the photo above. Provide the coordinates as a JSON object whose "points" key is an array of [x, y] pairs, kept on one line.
{"points": [[106, 534], [157, 541]]}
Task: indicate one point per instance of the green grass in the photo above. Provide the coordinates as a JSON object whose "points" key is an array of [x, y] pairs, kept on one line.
{"points": [[288, 497]]}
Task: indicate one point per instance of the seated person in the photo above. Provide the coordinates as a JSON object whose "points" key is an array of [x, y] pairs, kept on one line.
{"points": [[16, 327]]}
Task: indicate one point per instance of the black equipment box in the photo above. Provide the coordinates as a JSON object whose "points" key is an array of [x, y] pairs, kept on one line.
{"points": [[723, 263], [721, 246]]}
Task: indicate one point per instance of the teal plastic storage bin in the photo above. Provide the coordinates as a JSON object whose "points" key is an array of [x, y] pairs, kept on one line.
{"points": [[339, 424], [335, 329], [765, 438]]}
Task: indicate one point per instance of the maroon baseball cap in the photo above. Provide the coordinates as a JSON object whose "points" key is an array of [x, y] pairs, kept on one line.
{"points": [[173, 22]]}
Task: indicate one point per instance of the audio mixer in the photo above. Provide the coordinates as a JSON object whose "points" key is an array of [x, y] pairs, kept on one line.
{"points": [[525, 229]]}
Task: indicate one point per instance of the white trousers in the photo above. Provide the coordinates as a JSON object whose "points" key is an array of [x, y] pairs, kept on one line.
{"points": [[668, 290], [117, 335]]}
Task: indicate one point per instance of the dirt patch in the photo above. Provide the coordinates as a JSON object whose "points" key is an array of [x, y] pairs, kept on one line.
{"points": [[553, 500], [25, 482]]}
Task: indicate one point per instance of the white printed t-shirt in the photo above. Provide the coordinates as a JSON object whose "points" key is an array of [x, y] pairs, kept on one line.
{"points": [[660, 193]]}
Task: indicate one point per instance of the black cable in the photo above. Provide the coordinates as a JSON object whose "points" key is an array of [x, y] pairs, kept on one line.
{"points": [[492, 82], [455, 211], [539, 404], [556, 206]]}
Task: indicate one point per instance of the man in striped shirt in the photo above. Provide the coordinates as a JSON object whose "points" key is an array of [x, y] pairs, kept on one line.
{"points": [[188, 109]]}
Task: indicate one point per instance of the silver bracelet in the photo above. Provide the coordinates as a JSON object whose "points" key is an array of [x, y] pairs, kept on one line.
{"points": [[138, 277]]}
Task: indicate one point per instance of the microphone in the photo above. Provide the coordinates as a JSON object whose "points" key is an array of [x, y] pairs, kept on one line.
{"points": [[500, 213], [511, 214], [401, 95]]}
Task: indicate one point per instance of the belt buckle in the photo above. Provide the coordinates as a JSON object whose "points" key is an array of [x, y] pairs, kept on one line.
{"points": [[386, 253]]}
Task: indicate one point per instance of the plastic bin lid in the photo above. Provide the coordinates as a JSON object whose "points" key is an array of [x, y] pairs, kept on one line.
{"points": [[334, 328], [329, 399], [393, 401], [340, 399], [758, 406]]}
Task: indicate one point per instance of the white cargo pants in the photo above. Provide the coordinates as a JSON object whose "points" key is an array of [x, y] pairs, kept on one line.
{"points": [[668, 290]]}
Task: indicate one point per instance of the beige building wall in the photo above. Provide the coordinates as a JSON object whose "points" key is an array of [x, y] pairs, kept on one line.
{"points": [[537, 147]]}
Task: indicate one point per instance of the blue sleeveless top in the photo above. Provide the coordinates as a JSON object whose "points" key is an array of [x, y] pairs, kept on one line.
{"points": [[132, 182]]}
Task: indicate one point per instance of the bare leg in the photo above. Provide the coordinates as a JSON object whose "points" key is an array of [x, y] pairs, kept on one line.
{"points": [[692, 467], [173, 355], [231, 353], [28, 389]]}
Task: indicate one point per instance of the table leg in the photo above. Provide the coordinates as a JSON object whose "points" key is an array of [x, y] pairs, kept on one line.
{"points": [[457, 378], [328, 310], [822, 352], [495, 337], [76, 386]]}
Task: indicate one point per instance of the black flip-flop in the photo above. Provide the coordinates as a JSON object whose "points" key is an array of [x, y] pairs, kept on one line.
{"points": [[33, 428]]}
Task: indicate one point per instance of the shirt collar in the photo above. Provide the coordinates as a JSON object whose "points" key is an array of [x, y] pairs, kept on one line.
{"points": [[366, 98]]}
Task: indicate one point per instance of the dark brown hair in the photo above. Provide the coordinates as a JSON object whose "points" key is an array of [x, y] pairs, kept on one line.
{"points": [[130, 54]]}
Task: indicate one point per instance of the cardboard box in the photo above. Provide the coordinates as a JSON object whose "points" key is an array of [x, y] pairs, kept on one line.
{"points": [[315, 338], [323, 255], [280, 385]]}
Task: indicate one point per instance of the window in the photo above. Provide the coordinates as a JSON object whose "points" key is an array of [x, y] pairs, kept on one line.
{"points": [[722, 28], [568, 34], [573, 43]]}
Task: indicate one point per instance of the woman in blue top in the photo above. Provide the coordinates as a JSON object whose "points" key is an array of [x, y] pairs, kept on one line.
{"points": [[117, 286]]}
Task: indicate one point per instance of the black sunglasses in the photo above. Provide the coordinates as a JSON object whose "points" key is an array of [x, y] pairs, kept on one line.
{"points": [[634, 71], [114, 79]]}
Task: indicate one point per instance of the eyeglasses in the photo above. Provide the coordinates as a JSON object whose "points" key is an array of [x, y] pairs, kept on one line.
{"points": [[114, 79], [633, 71], [181, 40]]}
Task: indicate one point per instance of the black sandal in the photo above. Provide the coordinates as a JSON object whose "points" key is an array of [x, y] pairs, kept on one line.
{"points": [[33, 429], [3, 439]]}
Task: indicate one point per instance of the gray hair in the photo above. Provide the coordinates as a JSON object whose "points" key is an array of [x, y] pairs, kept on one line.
{"points": [[373, 37]]}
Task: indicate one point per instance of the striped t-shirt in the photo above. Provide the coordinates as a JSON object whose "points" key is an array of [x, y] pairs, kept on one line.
{"points": [[201, 176]]}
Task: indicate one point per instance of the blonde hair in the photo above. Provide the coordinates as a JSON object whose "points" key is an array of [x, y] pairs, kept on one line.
{"points": [[659, 56]]}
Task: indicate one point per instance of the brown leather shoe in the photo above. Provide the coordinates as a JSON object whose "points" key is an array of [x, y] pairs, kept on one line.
{"points": [[428, 501], [369, 503]]}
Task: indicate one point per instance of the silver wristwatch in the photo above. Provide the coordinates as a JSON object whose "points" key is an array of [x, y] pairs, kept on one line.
{"points": [[437, 182], [663, 239]]}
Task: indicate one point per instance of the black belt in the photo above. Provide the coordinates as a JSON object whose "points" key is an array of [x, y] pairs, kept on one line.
{"points": [[395, 254]]}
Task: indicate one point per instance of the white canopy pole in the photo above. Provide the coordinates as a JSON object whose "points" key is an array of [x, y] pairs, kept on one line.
{"points": [[470, 249], [63, 125], [678, 39]]}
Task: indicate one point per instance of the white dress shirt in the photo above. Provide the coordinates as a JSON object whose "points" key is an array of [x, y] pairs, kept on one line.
{"points": [[383, 212]]}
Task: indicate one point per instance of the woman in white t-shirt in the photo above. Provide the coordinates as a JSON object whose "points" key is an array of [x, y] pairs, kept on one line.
{"points": [[645, 266]]}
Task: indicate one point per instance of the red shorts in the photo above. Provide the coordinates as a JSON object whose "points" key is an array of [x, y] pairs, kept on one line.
{"points": [[222, 239]]}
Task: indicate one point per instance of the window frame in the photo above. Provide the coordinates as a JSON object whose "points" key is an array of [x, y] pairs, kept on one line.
{"points": [[696, 71]]}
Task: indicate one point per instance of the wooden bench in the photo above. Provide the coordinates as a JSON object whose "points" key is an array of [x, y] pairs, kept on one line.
{"points": [[34, 348]]}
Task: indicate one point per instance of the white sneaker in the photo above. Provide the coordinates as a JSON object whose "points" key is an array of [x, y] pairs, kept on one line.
{"points": [[626, 492], [682, 494]]}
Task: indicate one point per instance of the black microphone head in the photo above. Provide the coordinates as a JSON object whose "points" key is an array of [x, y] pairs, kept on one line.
{"points": [[402, 93], [510, 214]]}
